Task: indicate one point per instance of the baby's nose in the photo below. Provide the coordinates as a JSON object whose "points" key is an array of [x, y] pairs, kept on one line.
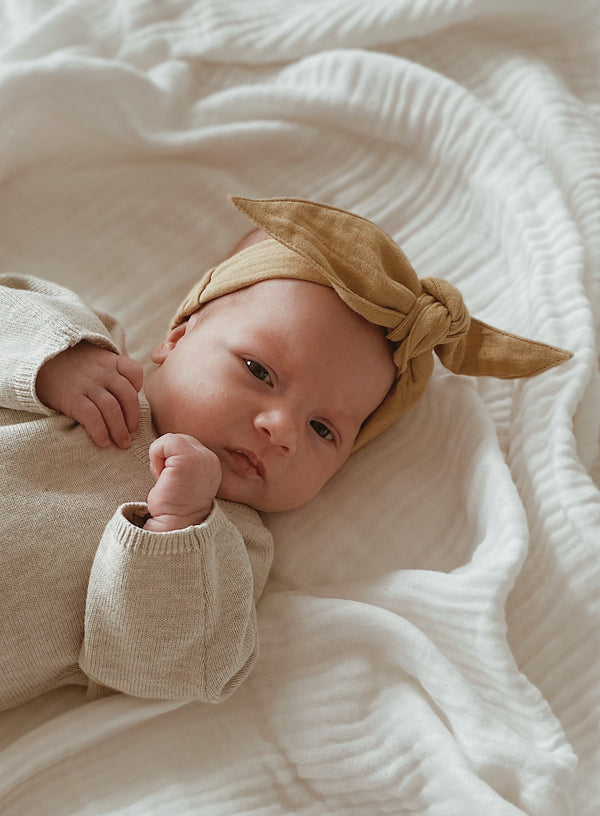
{"points": [[280, 427]]}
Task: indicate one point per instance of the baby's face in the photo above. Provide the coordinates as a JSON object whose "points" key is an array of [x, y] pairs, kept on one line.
{"points": [[277, 380]]}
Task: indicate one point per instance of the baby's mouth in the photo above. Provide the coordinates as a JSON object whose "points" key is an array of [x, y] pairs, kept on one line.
{"points": [[246, 462]]}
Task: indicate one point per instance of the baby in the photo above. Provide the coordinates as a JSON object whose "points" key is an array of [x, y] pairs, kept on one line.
{"points": [[133, 562], [258, 398]]}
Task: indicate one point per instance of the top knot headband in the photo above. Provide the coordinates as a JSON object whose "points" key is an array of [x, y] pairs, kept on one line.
{"points": [[371, 274]]}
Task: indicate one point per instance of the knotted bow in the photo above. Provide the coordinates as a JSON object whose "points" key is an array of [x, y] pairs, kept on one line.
{"points": [[437, 318], [371, 274]]}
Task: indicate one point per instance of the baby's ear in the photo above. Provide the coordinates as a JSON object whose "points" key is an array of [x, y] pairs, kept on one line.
{"points": [[166, 346]]}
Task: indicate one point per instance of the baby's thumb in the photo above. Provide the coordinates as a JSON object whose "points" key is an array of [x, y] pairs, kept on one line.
{"points": [[132, 370]]}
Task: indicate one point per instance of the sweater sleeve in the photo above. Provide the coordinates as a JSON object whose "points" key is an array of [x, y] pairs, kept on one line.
{"points": [[172, 615], [38, 320]]}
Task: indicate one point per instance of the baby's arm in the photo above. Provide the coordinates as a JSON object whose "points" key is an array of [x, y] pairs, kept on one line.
{"points": [[171, 602], [172, 615]]}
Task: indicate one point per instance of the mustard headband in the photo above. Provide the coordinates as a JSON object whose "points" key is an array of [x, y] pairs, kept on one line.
{"points": [[322, 244]]}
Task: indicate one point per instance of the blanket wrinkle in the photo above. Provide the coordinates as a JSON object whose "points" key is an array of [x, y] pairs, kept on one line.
{"points": [[429, 633]]}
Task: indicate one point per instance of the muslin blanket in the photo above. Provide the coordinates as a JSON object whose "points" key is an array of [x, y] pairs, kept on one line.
{"points": [[430, 630]]}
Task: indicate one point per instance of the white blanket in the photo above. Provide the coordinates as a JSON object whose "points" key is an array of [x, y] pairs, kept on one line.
{"points": [[430, 629]]}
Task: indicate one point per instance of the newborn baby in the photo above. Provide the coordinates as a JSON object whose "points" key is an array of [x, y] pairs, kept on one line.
{"points": [[133, 555]]}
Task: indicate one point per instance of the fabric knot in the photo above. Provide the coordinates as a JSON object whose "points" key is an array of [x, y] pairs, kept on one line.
{"points": [[437, 317]]}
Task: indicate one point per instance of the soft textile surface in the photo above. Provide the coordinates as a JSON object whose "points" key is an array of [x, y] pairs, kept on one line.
{"points": [[430, 629]]}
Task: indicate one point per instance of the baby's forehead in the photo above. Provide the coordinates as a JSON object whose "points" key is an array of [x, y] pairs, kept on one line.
{"points": [[300, 289], [306, 319], [290, 296], [296, 305]]}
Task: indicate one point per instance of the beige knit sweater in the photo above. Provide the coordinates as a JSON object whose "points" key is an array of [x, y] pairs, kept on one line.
{"points": [[86, 595]]}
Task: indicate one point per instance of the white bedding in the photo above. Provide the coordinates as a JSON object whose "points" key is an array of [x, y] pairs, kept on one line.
{"points": [[430, 629]]}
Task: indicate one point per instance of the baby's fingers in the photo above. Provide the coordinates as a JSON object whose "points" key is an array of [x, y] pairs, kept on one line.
{"points": [[126, 395], [88, 414], [112, 415], [132, 370]]}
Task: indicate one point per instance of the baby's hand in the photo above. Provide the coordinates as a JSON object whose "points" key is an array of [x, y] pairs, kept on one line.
{"points": [[96, 387], [188, 476]]}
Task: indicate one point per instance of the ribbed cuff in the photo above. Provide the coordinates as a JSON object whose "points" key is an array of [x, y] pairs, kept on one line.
{"points": [[126, 528]]}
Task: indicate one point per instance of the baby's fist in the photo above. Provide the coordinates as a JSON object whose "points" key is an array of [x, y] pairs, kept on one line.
{"points": [[188, 476]]}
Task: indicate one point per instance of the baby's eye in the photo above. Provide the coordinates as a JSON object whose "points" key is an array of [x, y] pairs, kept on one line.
{"points": [[322, 430], [259, 371]]}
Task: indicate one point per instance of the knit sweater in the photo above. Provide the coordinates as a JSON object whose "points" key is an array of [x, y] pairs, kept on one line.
{"points": [[86, 595]]}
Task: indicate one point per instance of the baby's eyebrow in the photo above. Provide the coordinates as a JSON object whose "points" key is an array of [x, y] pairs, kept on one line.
{"points": [[275, 339]]}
